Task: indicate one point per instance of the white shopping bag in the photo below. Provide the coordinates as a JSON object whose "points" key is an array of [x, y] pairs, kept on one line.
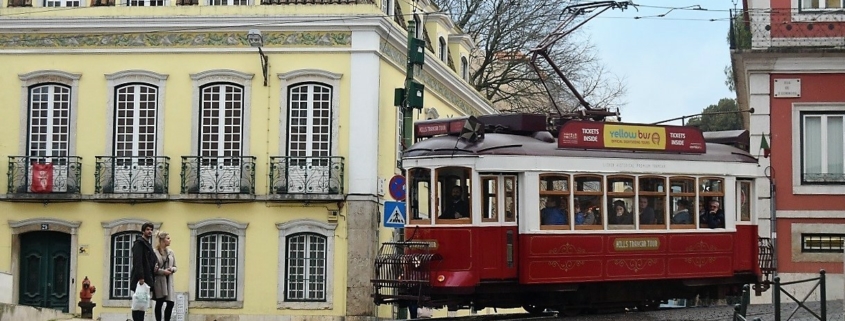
{"points": [[141, 297]]}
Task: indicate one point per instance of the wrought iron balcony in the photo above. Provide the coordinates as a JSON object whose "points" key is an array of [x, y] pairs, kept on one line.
{"points": [[39, 176], [218, 175], [132, 175], [306, 175]]}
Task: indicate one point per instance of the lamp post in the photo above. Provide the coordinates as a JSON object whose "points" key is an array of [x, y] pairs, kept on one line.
{"points": [[257, 40]]}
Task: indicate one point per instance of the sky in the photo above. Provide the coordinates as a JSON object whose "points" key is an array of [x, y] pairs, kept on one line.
{"points": [[673, 66]]}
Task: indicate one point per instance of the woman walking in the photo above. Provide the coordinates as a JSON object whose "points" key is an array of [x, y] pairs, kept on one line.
{"points": [[164, 277]]}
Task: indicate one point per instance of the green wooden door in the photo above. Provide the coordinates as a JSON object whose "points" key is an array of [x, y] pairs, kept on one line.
{"points": [[45, 270]]}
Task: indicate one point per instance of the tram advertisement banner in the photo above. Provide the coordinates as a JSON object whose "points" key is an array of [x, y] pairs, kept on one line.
{"points": [[598, 135]]}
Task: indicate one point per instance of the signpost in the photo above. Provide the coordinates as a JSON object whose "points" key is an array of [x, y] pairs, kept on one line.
{"points": [[394, 215]]}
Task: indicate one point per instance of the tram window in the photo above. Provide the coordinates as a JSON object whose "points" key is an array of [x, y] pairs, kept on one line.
{"points": [[651, 206], [620, 213], [683, 203], [419, 195], [453, 186], [712, 186], [589, 197], [554, 201], [510, 198], [711, 202], [744, 204], [489, 199]]}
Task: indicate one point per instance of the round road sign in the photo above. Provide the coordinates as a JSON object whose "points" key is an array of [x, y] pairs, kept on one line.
{"points": [[397, 187]]}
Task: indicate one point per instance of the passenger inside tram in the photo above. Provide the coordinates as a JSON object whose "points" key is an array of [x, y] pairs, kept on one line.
{"points": [[682, 214], [554, 212], [647, 215], [714, 217], [620, 215], [456, 206]]}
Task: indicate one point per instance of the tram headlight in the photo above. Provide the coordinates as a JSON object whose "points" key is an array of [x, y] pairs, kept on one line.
{"points": [[441, 278]]}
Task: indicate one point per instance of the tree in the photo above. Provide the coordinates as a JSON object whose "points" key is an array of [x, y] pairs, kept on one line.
{"points": [[727, 117], [505, 31]]}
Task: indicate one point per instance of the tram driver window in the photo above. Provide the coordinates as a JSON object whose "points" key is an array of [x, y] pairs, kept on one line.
{"points": [[453, 186], [419, 195]]}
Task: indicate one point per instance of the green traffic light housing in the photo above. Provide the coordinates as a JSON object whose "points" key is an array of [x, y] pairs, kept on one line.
{"points": [[416, 53], [415, 94]]}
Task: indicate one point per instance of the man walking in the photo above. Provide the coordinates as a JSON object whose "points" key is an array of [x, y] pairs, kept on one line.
{"points": [[143, 264]]}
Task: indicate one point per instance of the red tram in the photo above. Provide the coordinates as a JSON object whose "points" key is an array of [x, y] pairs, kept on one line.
{"points": [[603, 215]]}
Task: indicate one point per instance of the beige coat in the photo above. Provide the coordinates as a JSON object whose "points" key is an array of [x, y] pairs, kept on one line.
{"points": [[164, 283]]}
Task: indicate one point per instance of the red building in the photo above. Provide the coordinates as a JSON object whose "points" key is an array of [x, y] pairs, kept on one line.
{"points": [[788, 57]]}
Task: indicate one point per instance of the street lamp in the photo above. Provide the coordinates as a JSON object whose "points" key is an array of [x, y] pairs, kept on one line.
{"points": [[256, 40]]}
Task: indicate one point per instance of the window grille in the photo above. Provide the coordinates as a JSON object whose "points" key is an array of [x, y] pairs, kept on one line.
{"points": [[218, 267], [121, 264], [822, 243], [306, 268]]}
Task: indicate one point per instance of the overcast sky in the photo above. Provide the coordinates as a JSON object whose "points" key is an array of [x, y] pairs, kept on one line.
{"points": [[674, 65]]}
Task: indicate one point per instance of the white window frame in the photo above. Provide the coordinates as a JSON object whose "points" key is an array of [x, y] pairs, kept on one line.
{"points": [[465, 68], [43, 77], [822, 5], [442, 51], [200, 80], [228, 3], [63, 3], [211, 226], [798, 187], [111, 228], [146, 3], [293, 78], [326, 230]]}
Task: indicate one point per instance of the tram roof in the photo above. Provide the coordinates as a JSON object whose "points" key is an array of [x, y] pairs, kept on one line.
{"points": [[545, 145]]}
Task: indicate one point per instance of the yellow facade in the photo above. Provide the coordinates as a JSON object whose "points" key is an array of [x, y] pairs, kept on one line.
{"points": [[354, 53]]}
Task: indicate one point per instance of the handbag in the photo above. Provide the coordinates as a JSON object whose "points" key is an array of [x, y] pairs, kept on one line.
{"points": [[141, 297]]}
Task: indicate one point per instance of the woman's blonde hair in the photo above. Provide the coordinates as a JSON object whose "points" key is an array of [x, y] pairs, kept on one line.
{"points": [[160, 236]]}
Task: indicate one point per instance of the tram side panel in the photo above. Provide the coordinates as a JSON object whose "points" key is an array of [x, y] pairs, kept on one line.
{"points": [[574, 258], [746, 252]]}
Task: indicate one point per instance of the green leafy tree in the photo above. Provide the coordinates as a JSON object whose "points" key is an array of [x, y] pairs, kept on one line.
{"points": [[722, 116]]}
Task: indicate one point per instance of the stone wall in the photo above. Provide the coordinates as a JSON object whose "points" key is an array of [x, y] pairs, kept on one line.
{"points": [[5, 288], [11, 312]]}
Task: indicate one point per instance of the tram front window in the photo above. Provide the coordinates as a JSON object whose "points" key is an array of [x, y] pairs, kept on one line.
{"points": [[453, 197], [419, 194]]}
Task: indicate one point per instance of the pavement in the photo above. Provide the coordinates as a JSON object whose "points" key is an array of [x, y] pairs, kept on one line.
{"points": [[765, 312]]}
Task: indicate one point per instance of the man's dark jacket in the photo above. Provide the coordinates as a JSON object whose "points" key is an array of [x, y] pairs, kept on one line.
{"points": [[143, 263]]}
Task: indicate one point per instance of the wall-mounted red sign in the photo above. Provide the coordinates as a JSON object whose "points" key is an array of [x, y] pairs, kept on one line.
{"points": [[429, 128], [599, 135]]}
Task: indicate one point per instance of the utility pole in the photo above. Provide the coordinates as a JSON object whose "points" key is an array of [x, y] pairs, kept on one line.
{"points": [[411, 96]]}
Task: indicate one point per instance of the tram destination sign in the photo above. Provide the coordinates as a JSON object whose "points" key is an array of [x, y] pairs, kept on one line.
{"points": [[599, 135]]}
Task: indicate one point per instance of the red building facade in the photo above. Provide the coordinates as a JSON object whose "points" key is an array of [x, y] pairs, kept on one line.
{"points": [[788, 57]]}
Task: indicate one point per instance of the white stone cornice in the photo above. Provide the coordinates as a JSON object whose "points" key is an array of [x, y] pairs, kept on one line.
{"points": [[464, 39], [442, 19], [186, 23], [45, 220]]}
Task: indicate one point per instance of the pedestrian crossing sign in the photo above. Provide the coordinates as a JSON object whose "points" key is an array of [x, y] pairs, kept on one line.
{"points": [[394, 214]]}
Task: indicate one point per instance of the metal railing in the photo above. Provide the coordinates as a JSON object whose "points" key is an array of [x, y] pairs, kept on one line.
{"points": [[741, 309], [820, 284], [784, 29], [306, 175], [765, 257], [402, 272], [218, 175], [137, 174], [44, 174]]}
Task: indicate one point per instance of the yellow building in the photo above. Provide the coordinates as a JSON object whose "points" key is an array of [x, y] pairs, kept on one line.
{"points": [[259, 135]]}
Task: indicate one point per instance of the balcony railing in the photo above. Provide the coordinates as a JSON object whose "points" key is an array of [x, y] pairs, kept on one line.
{"points": [[218, 175], [786, 30], [306, 175], [44, 174], [132, 175]]}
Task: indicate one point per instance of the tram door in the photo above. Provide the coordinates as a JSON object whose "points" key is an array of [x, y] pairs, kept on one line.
{"points": [[498, 242]]}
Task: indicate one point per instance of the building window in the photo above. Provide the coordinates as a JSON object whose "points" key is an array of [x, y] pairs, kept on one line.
{"points": [[822, 143], [62, 3], [822, 243], [306, 274], [310, 115], [49, 120], [228, 2], [145, 3], [306, 268], [221, 116], [442, 49], [217, 257], [464, 68], [121, 264], [118, 237], [218, 265], [821, 4]]}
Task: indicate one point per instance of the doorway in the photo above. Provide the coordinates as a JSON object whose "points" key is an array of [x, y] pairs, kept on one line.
{"points": [[45, 270]]}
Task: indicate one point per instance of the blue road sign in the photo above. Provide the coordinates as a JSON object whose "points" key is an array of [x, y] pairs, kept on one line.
{"points": [[394, 214]]}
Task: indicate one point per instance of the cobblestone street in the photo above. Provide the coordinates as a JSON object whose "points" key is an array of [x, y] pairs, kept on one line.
{"points": [[722, 313]]}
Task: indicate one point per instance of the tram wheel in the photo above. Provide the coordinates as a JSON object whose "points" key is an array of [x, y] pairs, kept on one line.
{"points": [[533, 309]]}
